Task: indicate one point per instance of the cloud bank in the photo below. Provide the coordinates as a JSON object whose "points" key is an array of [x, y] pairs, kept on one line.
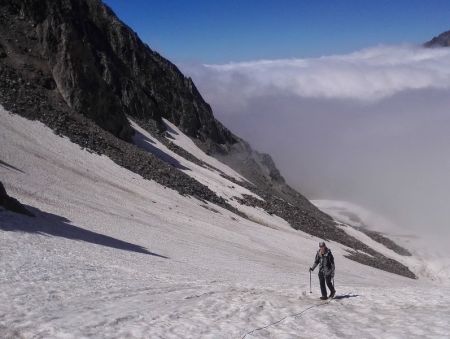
{"points": [[370, 127], [366, 75]]}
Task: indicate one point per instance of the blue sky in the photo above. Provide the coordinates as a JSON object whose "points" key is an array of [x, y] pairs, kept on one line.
{"points": [[222, 31]]}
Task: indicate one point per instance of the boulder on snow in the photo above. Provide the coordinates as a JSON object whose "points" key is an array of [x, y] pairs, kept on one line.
{"points": [[12, 204]]}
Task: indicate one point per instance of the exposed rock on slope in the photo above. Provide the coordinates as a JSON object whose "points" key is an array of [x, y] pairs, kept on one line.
{"points": [[314, 222], [103, 70], [27, 97], [29, 87], [12, 204], [259, 168]]}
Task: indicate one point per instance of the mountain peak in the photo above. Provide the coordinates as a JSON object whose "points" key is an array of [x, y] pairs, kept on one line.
{"points": [[442, 40]]}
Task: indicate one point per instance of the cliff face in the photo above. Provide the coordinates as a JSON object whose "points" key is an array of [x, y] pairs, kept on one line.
{"points": [[74, 66], [103, 70], [81, 53]]}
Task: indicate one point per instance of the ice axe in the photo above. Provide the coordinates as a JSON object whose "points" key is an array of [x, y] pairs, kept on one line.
{"points": [[310, 290]]}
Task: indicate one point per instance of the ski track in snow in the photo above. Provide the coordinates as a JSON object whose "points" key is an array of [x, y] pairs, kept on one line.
{"points": [[111, 255]]}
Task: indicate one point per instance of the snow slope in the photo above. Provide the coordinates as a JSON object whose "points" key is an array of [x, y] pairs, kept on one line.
{"points": [[182, 140], [207, 176], [111, 255]]}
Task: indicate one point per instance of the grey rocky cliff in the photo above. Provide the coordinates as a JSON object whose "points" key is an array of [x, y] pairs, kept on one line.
{"points": [[259, 168], [34, 40], [103, 70]]}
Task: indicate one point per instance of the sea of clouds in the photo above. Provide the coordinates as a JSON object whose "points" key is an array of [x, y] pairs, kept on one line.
{"points": [[366, 75], [371, 127]]}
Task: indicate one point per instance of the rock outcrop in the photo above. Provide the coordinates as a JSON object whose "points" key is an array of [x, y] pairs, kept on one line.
{"points": [[103, 70], [12, 204]]}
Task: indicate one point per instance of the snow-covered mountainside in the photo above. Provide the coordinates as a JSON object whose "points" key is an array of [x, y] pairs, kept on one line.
{"points": [[110, 254], [128, 211], [78, 69]]}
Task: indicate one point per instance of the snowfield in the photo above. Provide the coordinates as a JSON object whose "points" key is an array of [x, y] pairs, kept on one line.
{"points": [[111, 255]]}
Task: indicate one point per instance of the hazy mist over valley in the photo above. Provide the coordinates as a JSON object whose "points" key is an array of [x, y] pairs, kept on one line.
{"points": [[371, 127]]}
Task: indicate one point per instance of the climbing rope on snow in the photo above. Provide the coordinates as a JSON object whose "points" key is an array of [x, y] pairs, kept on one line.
{"points": [[279, 321], [288, 316]]}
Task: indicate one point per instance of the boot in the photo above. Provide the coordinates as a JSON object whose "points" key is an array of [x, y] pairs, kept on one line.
{"points": [[332, 294], [323, 298]]}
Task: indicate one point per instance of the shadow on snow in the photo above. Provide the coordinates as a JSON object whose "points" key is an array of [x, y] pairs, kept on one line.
{"points": [[9, 166], [57, 226], [147, 144], [346, 296]]}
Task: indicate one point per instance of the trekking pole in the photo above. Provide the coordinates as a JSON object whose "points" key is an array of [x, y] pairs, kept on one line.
{"points": [[310, 290]]}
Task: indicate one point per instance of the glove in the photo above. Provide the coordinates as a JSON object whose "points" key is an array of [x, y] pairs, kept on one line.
{"points": [[310, 269]]}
